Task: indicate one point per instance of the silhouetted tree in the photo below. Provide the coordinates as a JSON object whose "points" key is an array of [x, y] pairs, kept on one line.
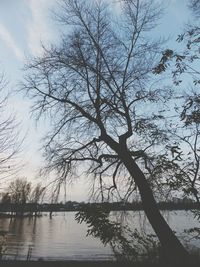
{"points": [[106, 109]]}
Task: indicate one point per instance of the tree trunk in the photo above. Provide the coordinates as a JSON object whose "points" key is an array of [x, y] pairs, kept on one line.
{"points": [[173, 251]]}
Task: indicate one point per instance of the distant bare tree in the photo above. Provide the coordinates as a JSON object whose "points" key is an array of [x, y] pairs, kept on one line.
{"points": [[37, 193], [99, 92], [19, 191], [5, 198]]}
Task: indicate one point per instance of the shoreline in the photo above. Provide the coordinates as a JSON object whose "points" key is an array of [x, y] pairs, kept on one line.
{"points": [[36, 208], [73, 263], [26, 214]]}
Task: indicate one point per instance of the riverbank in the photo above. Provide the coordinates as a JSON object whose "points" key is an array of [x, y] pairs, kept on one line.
{"points": [[80, 264], [75, 264], [68, 263]]}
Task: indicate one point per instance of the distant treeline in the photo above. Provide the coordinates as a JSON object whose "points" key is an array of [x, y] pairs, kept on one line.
{"points": [[21, 198], [76, 206]]}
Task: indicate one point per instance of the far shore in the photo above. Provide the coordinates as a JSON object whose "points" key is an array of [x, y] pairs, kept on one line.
{"points": [[36, 208]]}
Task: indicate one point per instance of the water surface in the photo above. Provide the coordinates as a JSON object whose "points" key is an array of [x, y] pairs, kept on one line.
{"points": [[62, 238]]}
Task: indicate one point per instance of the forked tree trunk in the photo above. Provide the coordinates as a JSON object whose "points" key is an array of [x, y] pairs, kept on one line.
{"points": [[172, 250]]}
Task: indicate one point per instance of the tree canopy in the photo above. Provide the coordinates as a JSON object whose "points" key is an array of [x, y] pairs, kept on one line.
{"points": [[97, 83]]}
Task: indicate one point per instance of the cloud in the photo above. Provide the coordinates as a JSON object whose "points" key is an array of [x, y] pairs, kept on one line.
{"points": [[10, 42], [38, 29]]}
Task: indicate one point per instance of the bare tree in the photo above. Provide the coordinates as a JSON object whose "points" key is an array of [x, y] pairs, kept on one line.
{"points": [[10, 141], [19, 191], [105, 107]]}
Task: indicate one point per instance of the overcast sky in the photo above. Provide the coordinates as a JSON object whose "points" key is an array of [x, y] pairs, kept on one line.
{"points": [[24, 24]]}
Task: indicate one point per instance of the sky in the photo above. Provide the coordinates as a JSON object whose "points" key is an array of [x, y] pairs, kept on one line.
{"points": [[24, 26]]}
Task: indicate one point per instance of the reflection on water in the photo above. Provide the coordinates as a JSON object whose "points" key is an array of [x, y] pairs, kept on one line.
{"points": [[57, 238], [63, 238]]}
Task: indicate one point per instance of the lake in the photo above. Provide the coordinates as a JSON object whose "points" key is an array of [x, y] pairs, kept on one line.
{"points": [[62, 238]]}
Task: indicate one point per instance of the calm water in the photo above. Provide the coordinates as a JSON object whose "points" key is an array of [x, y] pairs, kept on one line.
{"points": [[62, 238]]}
